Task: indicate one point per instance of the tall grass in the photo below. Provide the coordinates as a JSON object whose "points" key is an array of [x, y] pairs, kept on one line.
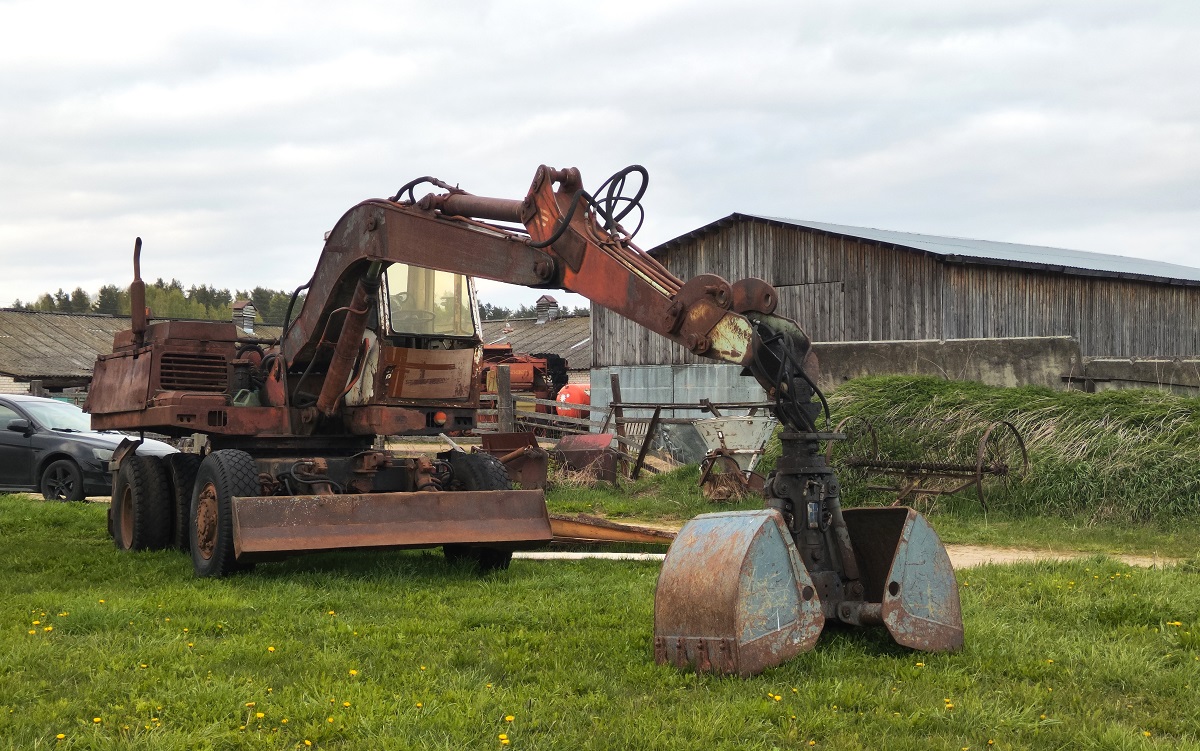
{"points": [[1117, 456]]}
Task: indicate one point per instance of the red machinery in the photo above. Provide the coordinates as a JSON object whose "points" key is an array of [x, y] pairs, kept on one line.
{"points": [[387, 342]]}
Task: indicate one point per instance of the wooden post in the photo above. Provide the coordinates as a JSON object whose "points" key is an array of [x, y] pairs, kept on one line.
{"points": [[504, 400], [618, 414]]}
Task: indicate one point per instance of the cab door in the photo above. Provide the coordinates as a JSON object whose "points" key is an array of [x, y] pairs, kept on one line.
{"points": [[16, 451]]}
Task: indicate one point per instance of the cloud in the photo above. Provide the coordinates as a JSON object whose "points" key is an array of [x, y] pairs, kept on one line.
{"points": [[232, 135]]}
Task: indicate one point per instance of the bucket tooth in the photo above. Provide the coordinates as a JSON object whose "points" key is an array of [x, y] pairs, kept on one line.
{"points": [[733, 596], [906, 569]]}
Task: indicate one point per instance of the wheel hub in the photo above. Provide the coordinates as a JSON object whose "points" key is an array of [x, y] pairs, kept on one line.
{"points": [[206, 521]]}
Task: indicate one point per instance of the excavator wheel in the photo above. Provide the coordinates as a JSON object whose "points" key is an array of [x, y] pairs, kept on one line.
{"points": [[477, 472], [181, 473], [222, 476], [140, 512]]}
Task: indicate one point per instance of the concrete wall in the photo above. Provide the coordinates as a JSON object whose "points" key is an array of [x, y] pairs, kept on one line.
{"points": [[1019, 361], [1103, 374]]}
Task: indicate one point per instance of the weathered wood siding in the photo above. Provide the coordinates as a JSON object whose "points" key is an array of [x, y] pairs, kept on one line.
{"points": [[843, 289]]}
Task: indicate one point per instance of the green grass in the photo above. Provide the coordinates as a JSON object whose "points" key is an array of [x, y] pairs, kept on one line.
{"points": [[1078, 655]]}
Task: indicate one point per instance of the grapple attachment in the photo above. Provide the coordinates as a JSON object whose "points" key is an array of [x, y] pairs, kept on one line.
{"points": [[733, 596], [905, 569]]}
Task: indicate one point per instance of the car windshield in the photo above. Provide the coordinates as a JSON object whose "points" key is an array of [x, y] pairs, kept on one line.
{"points": [[58, 415]]}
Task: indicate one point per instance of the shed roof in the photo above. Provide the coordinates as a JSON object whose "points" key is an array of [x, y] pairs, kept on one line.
{"points": [[963, 250], [569, 337], [39, 345]]}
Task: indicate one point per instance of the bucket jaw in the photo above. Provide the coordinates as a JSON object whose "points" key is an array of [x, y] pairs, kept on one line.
{"points": [[907, 577], [733, 596]]}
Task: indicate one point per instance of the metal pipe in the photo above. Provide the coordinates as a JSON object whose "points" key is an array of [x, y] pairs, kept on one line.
{"points": [[349, 340], [137, 297]]}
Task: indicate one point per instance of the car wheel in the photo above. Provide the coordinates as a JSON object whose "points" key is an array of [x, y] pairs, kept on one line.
{"points": [[141, 511], [62, 480], [181, 472], [222, 476], [477, 472]]}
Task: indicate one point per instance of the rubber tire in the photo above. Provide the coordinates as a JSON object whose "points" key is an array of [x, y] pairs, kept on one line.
{"points": [[477, 472], [144, 480], [67, 481], [231, 473], [181, 473]]}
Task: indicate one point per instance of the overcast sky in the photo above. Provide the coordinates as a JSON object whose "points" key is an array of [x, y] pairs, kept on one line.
{"points": [[231, 136]]}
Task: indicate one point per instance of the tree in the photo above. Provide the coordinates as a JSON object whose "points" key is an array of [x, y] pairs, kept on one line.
{"points": [[111, 300], [81, 302]]}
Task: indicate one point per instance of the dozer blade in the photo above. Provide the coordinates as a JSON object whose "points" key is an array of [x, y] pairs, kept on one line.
{"points": [[733, 596], [905, 568], [265, 527]]}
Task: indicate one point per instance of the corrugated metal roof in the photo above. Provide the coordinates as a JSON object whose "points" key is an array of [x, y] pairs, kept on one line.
{"points": [[569, 338], [979, 251], [38, 345]]}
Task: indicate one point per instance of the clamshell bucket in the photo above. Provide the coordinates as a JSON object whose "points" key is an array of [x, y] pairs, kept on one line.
{"points": [[905, 570], [270, 526], [733, 596]]}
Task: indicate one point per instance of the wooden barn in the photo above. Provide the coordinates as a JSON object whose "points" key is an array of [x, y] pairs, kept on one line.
{"points": [[853, 284]]}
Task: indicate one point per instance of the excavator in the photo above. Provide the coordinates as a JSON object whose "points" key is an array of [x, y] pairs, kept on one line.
{"points": [[284, 458]]}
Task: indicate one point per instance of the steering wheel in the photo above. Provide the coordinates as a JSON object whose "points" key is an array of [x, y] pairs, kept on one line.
{"points": [[411, 318]]}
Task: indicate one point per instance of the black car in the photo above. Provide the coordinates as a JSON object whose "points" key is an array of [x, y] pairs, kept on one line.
{"points": [[48, 446]]}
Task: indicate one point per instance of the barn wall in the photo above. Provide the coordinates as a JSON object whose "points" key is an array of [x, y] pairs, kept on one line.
{"points": [[847, 290]]}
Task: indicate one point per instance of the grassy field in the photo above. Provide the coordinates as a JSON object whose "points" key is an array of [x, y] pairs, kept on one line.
{"points": [[396, 651]]}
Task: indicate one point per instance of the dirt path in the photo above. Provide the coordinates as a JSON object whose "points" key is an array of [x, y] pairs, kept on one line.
{"points": [[966, 556]]}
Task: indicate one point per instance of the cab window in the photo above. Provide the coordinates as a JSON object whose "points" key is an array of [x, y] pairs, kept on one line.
{"points": [[424, 301]]}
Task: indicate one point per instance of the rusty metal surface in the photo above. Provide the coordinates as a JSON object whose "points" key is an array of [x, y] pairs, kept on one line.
{"points": [[266, 525], [526, 462], [733, 596], [585, 528], [906, 569], [588, 451]]}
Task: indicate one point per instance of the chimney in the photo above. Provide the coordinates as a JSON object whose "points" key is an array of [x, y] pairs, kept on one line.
{"points": [[243, 315], [547, 309]]}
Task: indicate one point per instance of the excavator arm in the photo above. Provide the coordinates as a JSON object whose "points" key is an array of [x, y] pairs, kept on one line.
{"points": [[570, 241]]}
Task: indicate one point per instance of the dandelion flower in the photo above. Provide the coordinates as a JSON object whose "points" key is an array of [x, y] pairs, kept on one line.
{"points": [[284, 720], [48, 628], [332, 613], [102, 602], [920, 664], [259, 715], [419, 705], [307, 742], [328, 719], [190, 644], [33, 630], [422, 667], [249, 704], [270, 649], [1146, 733], [489, 685], [355, 672], [37, 623], [508, 718], [778, 697], [345, 704], [97, 720], [502, 737], [504, 742], [60, 736]]}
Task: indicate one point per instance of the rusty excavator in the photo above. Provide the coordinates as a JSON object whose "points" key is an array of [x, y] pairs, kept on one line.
{"points": [[386, 342]]}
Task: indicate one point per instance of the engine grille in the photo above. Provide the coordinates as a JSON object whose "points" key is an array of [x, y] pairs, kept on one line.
{"points": [[193, 372]]}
